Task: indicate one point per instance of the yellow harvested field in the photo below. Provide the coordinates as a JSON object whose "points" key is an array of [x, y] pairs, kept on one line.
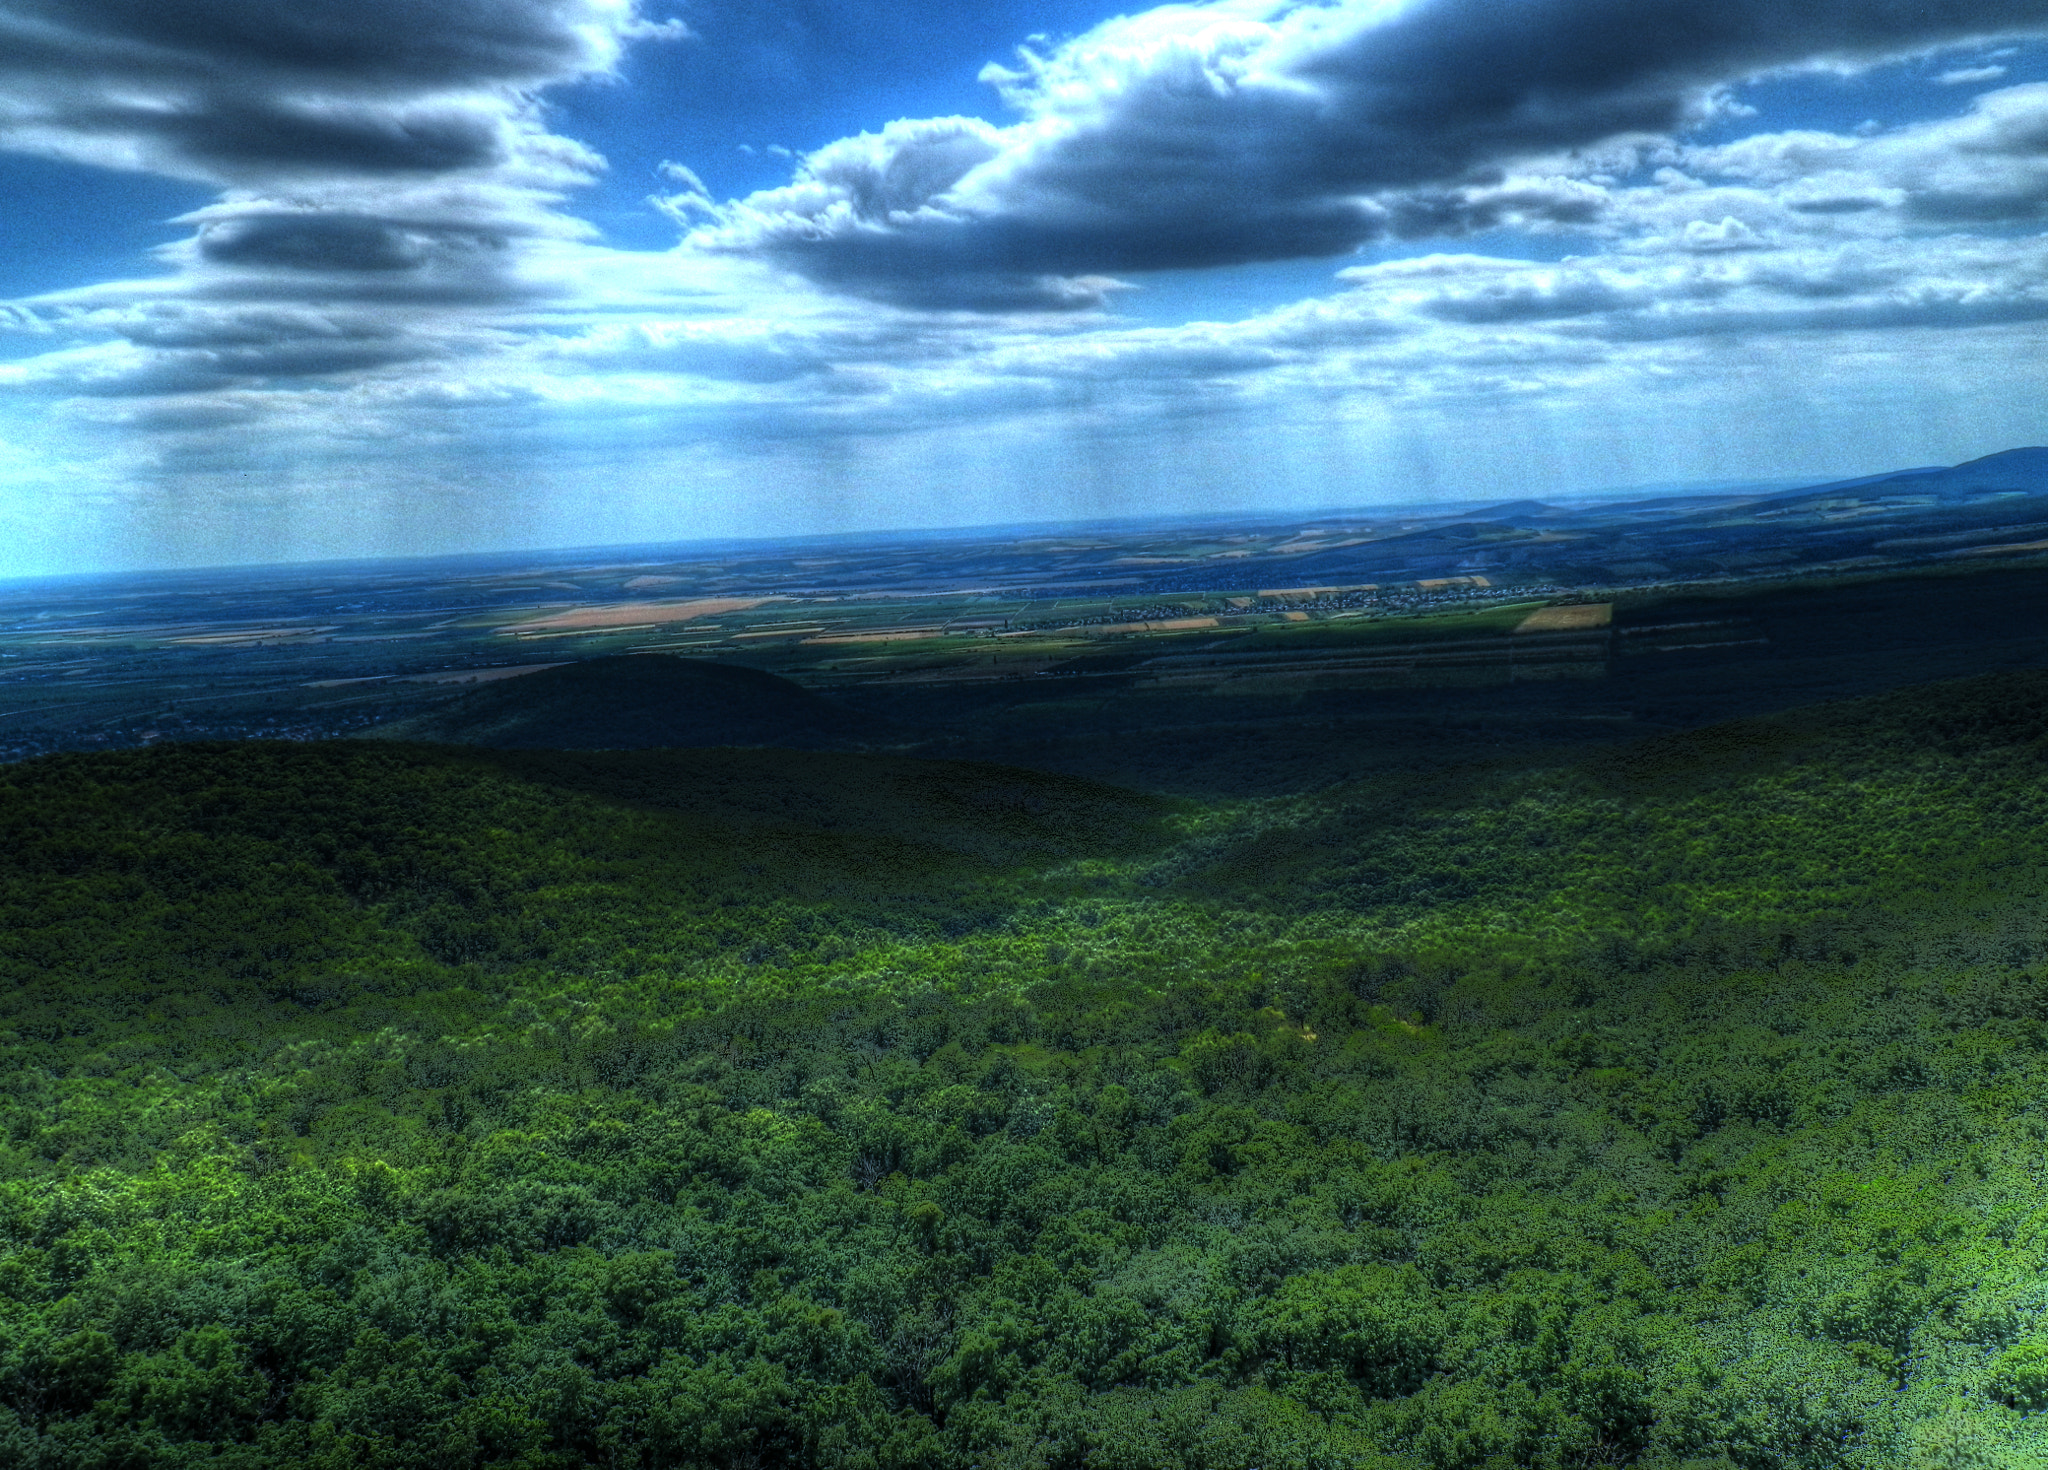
{"points": [[897, 637], [1163, 625], [1295, 617], [637, 614], [793, 630], [1315, 543], [1293, 592], [1437, 584], [579, 632], [1575, 618]]}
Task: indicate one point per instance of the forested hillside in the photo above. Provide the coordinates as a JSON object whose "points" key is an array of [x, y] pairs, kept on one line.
{"points": [[389, 1105]]}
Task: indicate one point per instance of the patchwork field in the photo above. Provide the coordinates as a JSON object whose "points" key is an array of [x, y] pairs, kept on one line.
{"points": [[1570, 618], [1352, 629], [635, 614]]}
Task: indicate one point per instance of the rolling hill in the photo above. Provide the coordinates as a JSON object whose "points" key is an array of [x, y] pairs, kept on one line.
{"points": [[639, 702]]}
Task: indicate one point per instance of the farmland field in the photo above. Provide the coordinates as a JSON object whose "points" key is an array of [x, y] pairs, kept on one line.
{"points": [[1570, 618]]}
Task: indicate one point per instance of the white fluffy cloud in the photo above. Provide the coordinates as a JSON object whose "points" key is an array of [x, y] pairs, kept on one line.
{"points": [[1193, 136], [1986, 167]]}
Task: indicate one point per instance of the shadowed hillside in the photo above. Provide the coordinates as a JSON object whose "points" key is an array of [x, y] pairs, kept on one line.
{"points": [[225, 874], [639, 702]]}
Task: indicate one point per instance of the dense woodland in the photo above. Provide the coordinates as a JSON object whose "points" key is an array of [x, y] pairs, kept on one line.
{"points": [[394, 1106]]}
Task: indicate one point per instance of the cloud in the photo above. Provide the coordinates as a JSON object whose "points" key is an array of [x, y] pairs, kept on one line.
{"points": [[743, 351], [1970, 75], [1986, 167], [366, 149], [231, 91], [1192, 136], [174, 348], [386, 172], [1862, 286]]}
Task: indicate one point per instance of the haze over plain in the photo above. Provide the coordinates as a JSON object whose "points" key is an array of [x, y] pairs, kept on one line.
{"points": [[332, 279]]}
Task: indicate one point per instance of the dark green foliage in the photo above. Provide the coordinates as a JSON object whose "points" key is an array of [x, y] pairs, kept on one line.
{"points": [[2019, 1376], [390, 1106]]}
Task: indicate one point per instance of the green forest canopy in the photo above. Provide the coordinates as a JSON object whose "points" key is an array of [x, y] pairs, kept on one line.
{"points": [[397, 1106]]}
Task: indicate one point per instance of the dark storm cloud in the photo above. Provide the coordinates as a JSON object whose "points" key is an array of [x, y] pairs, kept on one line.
{"points": [[1190, 137], [207, 370], [180, 348], [334, 242], [364, 41], [230, 89], [358, 138], [383, 163]]}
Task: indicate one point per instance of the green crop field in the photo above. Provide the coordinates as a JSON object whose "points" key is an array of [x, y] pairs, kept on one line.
{"points": [[1488, 622]]}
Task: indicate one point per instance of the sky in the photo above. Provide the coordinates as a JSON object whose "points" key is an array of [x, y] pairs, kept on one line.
{"points": [[344, 278]]}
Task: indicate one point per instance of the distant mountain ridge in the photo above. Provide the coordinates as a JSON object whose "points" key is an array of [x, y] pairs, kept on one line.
{"points": [[1695, 535], [1509, 509], [2010, 469]]}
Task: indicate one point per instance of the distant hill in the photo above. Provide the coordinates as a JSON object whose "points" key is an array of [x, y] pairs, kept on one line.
{"points": [[1512, 510], [639, 702], [2014, 469], [2010, 469]]}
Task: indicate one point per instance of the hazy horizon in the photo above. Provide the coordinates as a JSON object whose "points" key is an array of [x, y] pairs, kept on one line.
{"points": [[581, 554]]}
